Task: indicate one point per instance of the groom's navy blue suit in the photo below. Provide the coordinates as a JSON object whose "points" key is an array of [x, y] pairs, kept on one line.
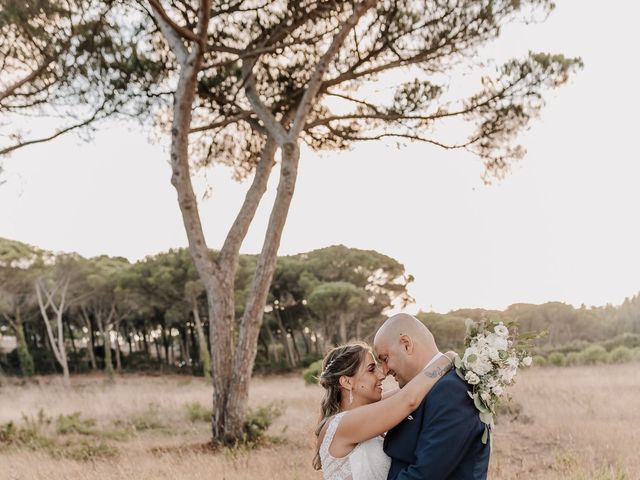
{"points": [[442, 439]]}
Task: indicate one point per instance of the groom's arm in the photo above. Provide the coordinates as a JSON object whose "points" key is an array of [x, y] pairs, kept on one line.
{"points": [[451, 423]]}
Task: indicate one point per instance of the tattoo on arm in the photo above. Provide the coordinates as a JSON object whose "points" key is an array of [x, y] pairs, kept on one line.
{"points": [[435, 372]]}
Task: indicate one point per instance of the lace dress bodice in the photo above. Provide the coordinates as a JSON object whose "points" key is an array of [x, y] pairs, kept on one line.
{"points": [[367, 461]]}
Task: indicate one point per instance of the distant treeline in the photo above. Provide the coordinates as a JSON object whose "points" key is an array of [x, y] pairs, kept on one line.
{"points": [[569, 328], [106, 313]]}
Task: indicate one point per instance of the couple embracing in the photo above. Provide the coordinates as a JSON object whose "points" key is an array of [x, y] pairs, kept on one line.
{"points": [[427, 429]]}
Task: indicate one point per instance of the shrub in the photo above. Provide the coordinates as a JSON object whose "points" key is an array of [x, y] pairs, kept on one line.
{"points": [[635, 354], [558, 359], [592, 355], [258, 422], [573, 358], [619, 354], [197, 413], [309, 359], [540, 361], [312, 373], [74, 424], [85, 451], [629, 340]]}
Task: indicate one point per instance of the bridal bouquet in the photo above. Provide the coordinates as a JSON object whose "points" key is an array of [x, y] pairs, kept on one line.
{"points": [[493, 354]]}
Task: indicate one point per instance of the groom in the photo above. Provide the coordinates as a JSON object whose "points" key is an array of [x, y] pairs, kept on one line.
{"points": [[442, 438]]}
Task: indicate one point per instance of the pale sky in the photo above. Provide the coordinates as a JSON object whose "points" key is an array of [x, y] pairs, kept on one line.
{"points": [[562, 226]]}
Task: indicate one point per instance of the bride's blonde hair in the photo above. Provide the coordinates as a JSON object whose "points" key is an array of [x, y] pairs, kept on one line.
{"points": [[339, 361]]}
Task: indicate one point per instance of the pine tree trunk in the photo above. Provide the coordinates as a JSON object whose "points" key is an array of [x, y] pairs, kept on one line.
{"points": [[118, 353], [254, 310], [203, 350]]}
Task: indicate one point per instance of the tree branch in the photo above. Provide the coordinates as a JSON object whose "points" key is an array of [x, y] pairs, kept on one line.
{"points": [[171, 31], [315, 82], [84, 123]]}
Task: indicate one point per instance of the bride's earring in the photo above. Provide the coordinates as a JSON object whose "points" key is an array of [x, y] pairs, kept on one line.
{"points": [[350, 397]]}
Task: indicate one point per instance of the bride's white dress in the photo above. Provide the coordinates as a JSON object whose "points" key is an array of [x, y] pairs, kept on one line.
{"points": [[365, 462]]}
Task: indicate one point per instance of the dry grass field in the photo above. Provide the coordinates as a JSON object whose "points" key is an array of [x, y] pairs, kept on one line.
{"points": [[565, 423]]}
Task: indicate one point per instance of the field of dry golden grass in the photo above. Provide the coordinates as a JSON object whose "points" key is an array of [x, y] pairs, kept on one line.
{"points": [[564, 423]]}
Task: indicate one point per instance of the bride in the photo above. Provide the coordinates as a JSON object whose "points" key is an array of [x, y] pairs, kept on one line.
{"points": [[354, 415]]}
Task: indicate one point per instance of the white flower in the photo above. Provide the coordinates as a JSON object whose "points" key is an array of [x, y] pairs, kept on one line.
{"points": [[498, 342], [494, 355], [501, 330], [472, 378], [497, 390], [470, 352], [527, 361], [481, 366], [506, 375]]}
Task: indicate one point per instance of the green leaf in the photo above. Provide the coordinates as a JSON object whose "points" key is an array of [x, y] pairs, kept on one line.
{"points": [[472, 358], [477, 401], [457, 362], [485, 435], [460, 374], [486, 417]]}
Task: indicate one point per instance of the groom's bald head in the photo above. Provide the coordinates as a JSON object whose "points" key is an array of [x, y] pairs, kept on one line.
{"points": [[404, 345]]}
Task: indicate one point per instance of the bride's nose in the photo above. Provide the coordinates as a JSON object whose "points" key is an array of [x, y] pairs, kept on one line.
{"points": [[380, 374]]}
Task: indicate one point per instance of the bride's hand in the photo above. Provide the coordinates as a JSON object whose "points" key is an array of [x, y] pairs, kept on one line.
{"points": [[451, 355]]}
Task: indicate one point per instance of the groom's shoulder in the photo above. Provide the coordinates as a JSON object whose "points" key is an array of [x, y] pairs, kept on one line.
{"points": [[450, 386]]}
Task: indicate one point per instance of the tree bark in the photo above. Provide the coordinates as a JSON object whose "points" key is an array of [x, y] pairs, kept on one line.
{"points": [[57, 344], [27, 368], [118, 353], [254, 310], [203, 351], [90, 342], [105, 331]]}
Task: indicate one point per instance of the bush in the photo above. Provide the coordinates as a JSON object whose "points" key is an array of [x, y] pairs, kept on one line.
{"points": [[593, 355], [573, 358], [140, 362], [635, 354], [43, 361], [308, 360], [72, 423], [197, 413], [620, 355], [540, 361], [558, 359], [312, 373], [258, 422], [629, 340]]}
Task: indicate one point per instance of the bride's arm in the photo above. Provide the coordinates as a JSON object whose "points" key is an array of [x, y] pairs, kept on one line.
{"points": [[371, 420], [450, 354]]}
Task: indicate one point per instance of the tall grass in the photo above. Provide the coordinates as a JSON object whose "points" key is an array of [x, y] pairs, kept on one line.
{"points": [[571, 424]]}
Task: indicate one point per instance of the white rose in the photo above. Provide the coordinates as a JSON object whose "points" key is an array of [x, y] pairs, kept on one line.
{"points": [[507, 374], [481, 341], [468, 353], [472, 378], [527, 361], [494, 355], [481, 366], [498, 342], [497, 390], [501, 330], [512, 362]]}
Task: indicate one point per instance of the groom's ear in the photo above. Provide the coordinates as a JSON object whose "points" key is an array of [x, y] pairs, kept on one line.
{"points": [[407, 343]]}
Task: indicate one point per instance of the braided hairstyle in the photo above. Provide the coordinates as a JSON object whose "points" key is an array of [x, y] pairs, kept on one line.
{"points": [[339, 361]]}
